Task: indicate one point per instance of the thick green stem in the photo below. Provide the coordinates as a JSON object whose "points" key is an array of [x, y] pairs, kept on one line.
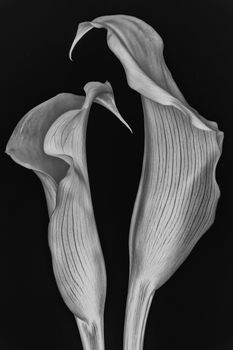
{"points": [[92, 334], [139, 299]]}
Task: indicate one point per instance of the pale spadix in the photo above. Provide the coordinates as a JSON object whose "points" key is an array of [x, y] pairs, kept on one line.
{"points": [[178, 193], [50, 139]]}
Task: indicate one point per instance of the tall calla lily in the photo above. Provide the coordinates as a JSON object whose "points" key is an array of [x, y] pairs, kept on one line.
{"points": [[50, 139], [178, 193]]}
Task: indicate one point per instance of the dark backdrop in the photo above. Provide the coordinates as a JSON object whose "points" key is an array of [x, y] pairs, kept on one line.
{"points": [[193, 310]]}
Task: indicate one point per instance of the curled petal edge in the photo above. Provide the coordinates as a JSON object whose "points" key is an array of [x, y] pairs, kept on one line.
{"points": [[136, 77]]}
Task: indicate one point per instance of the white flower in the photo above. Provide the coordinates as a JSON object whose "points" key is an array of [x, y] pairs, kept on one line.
{"points": [[50, 139], [178, 193]]}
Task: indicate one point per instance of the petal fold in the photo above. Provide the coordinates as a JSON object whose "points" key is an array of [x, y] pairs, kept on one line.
{"points": [[26, 144]]}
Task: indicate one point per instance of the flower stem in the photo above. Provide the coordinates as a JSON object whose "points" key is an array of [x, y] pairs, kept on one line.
{"points": [[92, 334], [139, 299]]}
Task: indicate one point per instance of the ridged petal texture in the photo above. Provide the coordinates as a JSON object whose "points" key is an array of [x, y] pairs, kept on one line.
{"points": [[50, 140], [178, 193]]}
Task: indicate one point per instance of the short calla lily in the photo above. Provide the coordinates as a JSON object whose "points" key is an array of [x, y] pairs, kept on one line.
{"points": [[50, 139], [178, 193]]}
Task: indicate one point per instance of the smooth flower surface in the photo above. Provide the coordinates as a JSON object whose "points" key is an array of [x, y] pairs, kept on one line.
{"points": [[178, 193], [50, 140]]}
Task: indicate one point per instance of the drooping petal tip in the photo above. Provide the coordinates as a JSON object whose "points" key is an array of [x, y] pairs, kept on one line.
{"points": [[140, 50], [83, 28]]}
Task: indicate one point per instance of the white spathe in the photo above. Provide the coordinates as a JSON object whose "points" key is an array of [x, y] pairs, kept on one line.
{"points": [[178, 192], [50, 139]]}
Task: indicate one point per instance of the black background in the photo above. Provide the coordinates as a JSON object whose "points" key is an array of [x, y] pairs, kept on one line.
{"points": [[194, 309]]}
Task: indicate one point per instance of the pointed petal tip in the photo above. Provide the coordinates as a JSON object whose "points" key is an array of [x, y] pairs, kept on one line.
{"points": [[118, 115], [107, 83], [71, 50], [105, 98], [72, 46], [83, 28]]}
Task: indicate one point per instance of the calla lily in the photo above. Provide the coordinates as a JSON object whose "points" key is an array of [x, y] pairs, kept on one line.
{"points": [[178, 193], [50, 139]]}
